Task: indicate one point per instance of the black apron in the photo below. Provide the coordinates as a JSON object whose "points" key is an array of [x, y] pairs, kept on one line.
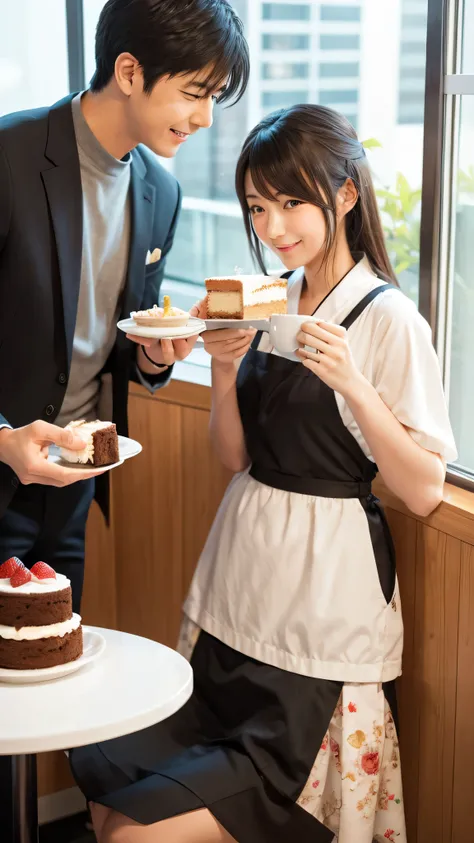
{"points": [[245, 743], [297, 441]]}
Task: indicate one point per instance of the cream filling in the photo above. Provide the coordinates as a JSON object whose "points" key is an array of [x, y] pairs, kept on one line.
{"points": [[34, 633], [232, 302], [225, 302], [36, 586]]}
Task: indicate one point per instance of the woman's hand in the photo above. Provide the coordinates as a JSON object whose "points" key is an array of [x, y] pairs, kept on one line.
{"points": [[331, 359], [223, 344]]}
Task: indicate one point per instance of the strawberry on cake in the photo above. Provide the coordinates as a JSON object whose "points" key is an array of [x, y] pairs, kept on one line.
{"points": [[37, 626]]}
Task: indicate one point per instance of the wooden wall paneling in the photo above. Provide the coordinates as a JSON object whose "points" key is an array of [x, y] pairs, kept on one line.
{"points": [[99, 599], [404, 534], [463, 830], [204, 483], [436, 646], [148, 505]]}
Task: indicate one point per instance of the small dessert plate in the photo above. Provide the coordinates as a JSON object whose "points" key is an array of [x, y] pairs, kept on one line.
{"points": [[164, 332], [94, 646], [127, 448]]}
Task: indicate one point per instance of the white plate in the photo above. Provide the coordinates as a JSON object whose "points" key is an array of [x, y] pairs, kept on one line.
{"points": [[94, 646], [194, 326], [127, 448], [258, 324]]}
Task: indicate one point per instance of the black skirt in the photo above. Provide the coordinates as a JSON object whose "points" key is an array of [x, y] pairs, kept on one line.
{"points": [[243, 747]]}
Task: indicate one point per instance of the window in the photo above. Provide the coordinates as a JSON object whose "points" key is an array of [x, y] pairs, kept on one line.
{"points": [[210, 238], [410, 48], [352, 119], [276, 70], [283, 99], [334, 98], [285, 42], [339, 42], [348, 14], [286, 11], [455, 311], [413, 73], [410, 21], [33, 54], [340, 69]]}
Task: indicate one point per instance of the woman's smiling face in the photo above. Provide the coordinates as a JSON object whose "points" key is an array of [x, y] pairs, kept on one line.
{"points": [[294, 230]]}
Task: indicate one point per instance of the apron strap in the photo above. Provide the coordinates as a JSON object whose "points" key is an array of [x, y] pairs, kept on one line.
{"points": [[359, 308], [258, 336]]}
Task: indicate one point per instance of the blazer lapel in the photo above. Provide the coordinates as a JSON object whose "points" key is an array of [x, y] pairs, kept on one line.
{"points": [[62, 182], [142, 209]]}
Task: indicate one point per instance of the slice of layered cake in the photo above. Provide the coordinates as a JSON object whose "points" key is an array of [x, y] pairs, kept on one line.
{"points": [[101, 445], [245, 297], [37, 626]]}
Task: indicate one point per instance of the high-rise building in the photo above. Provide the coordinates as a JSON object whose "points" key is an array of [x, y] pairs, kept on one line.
{"points": [[365, 58], [412, 61]]}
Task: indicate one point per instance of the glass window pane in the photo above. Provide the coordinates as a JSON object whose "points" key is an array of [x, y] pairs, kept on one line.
{"points": [[339, 69], [210, 237], [278, 70], [285, 42], [340, 13], [461, 375], [467, 63], [334, 98], [33, 54], [339, 42], [286, 11], [283, 99]]}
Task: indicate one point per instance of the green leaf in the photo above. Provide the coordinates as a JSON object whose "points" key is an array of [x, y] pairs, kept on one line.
{"points": [[371, 143], [399, 268], [404, 191]]}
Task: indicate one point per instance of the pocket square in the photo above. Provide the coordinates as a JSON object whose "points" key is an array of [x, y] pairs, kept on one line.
{"points": [[153, 257]]}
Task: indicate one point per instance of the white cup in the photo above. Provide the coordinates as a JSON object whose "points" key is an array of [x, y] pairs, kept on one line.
{"points": [[284, 328]]}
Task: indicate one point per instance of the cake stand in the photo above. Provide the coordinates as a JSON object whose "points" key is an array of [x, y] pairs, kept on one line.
{"points": [[135, 684]]}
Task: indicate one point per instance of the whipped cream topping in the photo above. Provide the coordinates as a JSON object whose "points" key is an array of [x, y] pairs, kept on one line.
{"points": [[86, 431], [35, 586], [34, 633], [157, 312]]}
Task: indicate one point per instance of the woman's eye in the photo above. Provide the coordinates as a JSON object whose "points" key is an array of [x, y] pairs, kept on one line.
{"points": [[255, 209], [293, 203]]}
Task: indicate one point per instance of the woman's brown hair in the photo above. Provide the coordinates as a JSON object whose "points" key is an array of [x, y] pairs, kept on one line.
{"points": [[308, 152]]}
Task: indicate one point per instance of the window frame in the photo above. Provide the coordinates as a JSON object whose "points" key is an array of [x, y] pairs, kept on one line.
{"points": [[75, 45], [445, 84]]}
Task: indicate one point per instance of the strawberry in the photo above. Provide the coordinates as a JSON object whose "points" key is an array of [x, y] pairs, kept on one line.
{"points": [[42, 571], [21, 576], [9, 567]]}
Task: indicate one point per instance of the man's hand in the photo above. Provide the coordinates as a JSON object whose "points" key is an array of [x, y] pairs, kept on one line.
{"points": [[25, 450], [162, 352]]}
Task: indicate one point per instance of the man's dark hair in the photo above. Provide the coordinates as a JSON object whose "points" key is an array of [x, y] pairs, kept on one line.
{"points": [[173, 37]]}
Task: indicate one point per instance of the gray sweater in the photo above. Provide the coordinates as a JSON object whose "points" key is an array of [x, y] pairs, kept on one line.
{"points": [[106, 240]]}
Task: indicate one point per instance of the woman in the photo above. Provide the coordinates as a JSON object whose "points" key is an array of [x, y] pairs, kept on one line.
{"points": [[293, 621]]}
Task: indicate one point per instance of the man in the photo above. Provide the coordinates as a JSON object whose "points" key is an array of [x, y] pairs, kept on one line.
{"points": [[81, 207]]}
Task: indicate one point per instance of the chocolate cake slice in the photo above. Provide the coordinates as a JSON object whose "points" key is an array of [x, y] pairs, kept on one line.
{"points": [[101, 446]]}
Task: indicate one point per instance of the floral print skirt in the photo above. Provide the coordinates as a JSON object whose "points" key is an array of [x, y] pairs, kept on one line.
{"points": [[355, 786], [275, 756]]}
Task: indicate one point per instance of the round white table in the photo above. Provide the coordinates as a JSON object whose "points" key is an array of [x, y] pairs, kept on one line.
{"points": [[134, 684]]}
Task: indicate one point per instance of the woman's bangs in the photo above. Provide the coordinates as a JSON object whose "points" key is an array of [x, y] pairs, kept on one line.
{"points": [[275, 170]]}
